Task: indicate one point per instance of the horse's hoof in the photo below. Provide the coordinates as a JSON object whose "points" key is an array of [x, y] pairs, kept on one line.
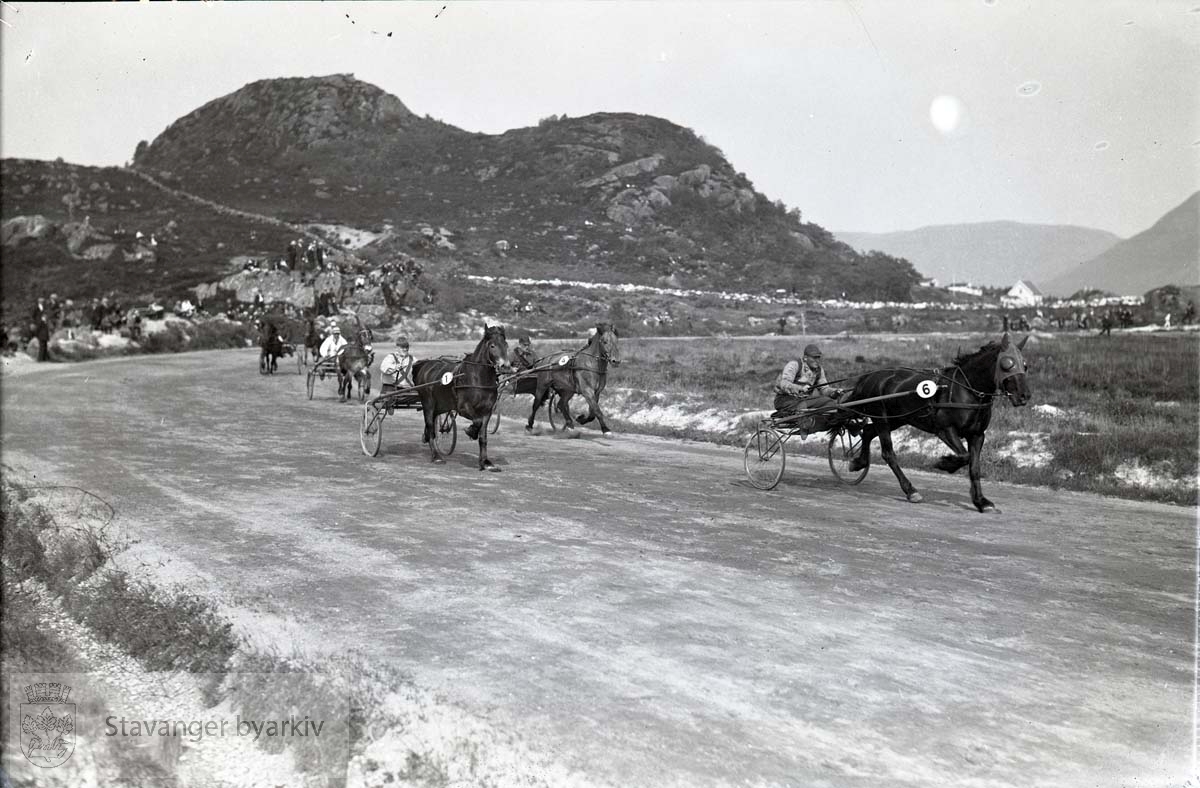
{"points": [[857, 465], [606, 433], [987, 506], [438, 461], [915, 497]]}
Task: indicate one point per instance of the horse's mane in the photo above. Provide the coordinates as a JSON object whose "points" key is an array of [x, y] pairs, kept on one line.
{"points": [[965, 358]]}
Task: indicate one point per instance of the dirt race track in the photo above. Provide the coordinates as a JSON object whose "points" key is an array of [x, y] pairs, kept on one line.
{"points": [[634, 610]]}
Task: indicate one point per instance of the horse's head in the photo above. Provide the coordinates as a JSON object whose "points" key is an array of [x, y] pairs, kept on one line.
{"points": [[610, 346], [1010, 371], [365, 338], [494, 347]]}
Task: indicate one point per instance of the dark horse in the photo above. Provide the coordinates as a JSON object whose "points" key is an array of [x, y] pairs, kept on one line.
{"points": [[312, 340], [471, 393], [354, 363], [270, 348], [585, 374], [960, 409]]}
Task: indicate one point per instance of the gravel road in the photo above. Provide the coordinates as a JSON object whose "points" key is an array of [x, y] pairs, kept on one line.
{"points": [[635, 611]]}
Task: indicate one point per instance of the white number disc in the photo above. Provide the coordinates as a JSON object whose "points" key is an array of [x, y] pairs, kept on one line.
{"points": [[564, 360], [926, 389], [447, 378]]}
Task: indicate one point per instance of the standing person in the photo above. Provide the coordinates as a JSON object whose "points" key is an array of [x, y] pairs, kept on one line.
{"points": [[802, 385], [397, 369], [1106, 324], [42, 332], [39, 311]]}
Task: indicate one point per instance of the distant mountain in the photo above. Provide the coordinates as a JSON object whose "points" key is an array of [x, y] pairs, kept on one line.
{"points": [[989, 253], [1167, 253]]}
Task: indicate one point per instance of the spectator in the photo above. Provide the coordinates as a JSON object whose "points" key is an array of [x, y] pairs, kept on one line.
{"points": [[1189, 314], [43, 337], [39, 311]]}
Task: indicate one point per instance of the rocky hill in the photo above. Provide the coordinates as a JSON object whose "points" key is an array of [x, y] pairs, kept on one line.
{"points": [[994, 254], [609, 196], [1166, 253]]}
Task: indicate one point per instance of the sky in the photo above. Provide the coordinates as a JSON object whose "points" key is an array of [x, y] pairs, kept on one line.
{"points": [[867, 115]]}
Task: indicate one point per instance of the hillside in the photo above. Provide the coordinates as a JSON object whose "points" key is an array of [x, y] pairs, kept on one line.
{"points": [[74, 230], [608, 196], [1166, 253], [995, 254]]}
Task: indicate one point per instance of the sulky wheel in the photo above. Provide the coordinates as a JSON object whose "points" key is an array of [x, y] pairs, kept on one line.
{"points": [[843, 448], [765, 458], [370, 432], [312, 382], [445, 433]]}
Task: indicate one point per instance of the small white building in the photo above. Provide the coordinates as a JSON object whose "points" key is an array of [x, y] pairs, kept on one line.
{"points": [[1023, 293], [965, 288]]}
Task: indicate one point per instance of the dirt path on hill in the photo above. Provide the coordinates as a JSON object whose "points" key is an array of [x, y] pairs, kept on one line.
{"points": [[632, 608]]}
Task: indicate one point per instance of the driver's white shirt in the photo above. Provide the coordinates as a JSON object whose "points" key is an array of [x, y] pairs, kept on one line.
{"points": [[332, 344]]}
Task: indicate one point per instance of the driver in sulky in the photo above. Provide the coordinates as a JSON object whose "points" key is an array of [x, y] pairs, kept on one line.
{"points": [[802, 385]]}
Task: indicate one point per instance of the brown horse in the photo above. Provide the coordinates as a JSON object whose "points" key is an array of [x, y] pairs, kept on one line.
{"points": [[471, 390], [960, 409], [354, 364], [586, 374]]}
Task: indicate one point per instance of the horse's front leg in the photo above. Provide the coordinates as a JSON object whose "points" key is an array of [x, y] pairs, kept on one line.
{"points": [[594, 412], [952, 463], [889, 456], [975, 448], [480, 427]]}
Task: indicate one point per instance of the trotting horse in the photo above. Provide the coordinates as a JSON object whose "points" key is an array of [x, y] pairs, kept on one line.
{"points": [[270, 348], [471, 392], [354, 363], [586, 375], [960, 409]]}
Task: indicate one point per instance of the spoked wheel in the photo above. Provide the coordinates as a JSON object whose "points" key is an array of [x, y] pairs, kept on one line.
{"points": [[370, 433], [312, 382], [765, 458], [843, 448], [445, 433]]}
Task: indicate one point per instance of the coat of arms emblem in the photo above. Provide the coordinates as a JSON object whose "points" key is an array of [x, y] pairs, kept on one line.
{"points": [[47, 724]]}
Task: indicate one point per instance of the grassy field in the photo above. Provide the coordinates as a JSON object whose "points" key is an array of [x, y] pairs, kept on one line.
{"points": [[1114, 415]]}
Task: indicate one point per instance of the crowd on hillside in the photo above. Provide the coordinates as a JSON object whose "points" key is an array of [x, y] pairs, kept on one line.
{"points": [[1077, 319], [105, 315]]}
